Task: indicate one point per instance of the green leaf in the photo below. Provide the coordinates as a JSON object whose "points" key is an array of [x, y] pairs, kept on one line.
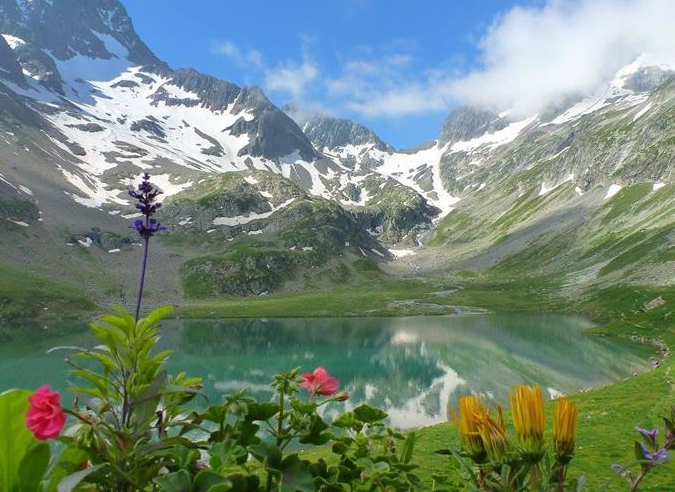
{"points": [[261, 411], [267, 453], [345, 420], [15, 438], [69, 461], [69, 483], [408, 448], [159, 314], [226, 454], [33, 467], [295, 475], [145, 405], [207, 480], [369, 415], [639, 452], [174, 482], [302, 407]]}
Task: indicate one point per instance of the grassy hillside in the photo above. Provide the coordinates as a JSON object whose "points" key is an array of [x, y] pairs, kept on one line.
{"points": [[26, 295]]}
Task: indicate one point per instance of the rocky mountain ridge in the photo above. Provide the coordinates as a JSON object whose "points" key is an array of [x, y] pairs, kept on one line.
{"points": [[84, 110]]}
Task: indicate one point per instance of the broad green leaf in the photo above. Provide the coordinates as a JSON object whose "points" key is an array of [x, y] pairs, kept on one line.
{"points": [[267, 453], [345, 420], [33, 467], [262, 411], [15, 438], [174, 482], [145, 405], [295, 475], [69, 483], [207, 480], [69, 461], [227, 453], [368, 414]]}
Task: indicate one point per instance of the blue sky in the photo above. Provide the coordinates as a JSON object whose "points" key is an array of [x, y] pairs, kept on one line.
{"points": [[339, 56], [400, 66]]}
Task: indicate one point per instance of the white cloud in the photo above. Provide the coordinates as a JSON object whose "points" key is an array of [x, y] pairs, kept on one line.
{"points": [[251, 58], [291, 78], [530, 57], [536, 56]]}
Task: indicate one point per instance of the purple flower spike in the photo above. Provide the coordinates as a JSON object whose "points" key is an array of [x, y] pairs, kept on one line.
{"points": [[657, 457], [649, 435], [146, 196]]}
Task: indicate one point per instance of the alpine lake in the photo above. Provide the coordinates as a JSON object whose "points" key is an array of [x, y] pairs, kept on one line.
{"points": [[412, 367]]}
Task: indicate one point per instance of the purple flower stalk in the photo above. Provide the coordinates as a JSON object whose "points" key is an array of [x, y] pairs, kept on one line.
{"points": [[649, 435], [658, 456], [146, 196]]}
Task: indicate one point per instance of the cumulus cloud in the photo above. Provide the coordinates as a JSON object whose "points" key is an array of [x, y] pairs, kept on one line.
{"points": [[537, 56], [251, 58], [292, 78], [530, 57]]}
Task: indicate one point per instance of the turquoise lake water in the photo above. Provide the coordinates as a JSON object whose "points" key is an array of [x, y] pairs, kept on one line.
{"points": [[412, 367]]}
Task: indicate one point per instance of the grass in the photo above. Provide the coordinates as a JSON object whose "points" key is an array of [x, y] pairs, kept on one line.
{"points": [[376, 298], [26, 295]]}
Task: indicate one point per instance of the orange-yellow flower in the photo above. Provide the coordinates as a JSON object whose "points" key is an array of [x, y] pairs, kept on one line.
{"points": [[471, 411], [493, 434], [564, 429], [527, 409]]}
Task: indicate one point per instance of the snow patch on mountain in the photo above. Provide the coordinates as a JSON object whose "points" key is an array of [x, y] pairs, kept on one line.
{"points": [[245, 219]]}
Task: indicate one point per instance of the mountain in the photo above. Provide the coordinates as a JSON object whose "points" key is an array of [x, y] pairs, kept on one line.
{"points": [[85, 107]]}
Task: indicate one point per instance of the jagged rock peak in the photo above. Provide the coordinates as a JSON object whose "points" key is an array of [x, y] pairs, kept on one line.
{"points": [[41, 23], [647, 79], [465, 123], [328, 132]]}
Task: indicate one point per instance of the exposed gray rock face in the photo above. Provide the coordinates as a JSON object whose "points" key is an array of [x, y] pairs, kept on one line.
{"points": [[647, 79], [274, 134], [465, 123], [70, 27], [327, 132], [9, 64]]}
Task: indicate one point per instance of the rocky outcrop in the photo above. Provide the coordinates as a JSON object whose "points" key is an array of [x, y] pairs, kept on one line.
{"points": [[465, 123]]}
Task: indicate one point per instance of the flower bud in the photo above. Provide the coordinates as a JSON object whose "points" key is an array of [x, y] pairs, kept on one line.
{"points": [[344, 396]]}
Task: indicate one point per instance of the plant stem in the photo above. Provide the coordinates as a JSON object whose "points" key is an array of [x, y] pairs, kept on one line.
{"points": [[141, 280], [562, 474], [635, 484], [533, 478], [280, 427]]}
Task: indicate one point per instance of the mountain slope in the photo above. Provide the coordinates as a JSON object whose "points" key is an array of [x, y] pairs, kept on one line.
{"points": [[85, 109]]}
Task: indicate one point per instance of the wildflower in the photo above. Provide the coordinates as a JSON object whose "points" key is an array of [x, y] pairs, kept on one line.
{"points": [[147, 205], [656, 457], [564, 430], [45, 417], [493, 435], [320, 382], [649, 435], [344, 396], [472, 411], [527, 408]]}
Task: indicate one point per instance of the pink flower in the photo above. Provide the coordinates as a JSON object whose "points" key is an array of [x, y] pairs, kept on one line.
{"points": [[320, 382], [45, 417]]}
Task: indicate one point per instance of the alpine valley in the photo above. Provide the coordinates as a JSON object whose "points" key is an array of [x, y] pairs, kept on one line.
{"points": [[258, 201]]}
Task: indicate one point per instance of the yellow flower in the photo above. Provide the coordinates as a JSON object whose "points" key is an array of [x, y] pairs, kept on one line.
{"points": [[564, 429], [493, 434], [471, 411], [527, 409]]}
